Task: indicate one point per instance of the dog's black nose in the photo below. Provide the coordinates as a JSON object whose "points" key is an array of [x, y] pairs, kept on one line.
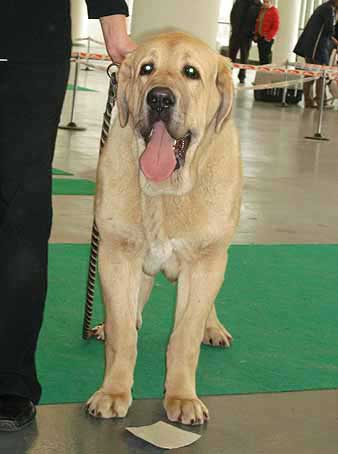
{"points": [[160, 99]]}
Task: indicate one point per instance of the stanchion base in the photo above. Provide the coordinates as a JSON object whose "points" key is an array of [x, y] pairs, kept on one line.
{"points": [[284, 104], [87, 68], [72, 126], [317, 136]]}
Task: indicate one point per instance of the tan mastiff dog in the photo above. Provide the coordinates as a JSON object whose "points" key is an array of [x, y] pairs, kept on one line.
{"points": [[168, 199]]}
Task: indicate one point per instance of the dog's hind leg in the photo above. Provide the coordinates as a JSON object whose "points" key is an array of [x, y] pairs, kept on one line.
{"points": [[215, 334], [146, 286]]}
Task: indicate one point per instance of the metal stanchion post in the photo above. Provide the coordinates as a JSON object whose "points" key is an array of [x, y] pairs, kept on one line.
{"points": [[87, 67], [285, 89], [72, 125], [318, 134]]}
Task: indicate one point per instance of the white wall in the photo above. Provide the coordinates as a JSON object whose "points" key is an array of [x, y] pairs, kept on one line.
{"points": [[198, 17]]}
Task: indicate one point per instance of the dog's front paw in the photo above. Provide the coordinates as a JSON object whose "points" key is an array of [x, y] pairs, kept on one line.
{"points": [[104, 405], [186, 411], [217, 336]]}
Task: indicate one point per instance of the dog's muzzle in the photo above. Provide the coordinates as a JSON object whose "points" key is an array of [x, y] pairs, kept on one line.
{"points": [[160, 99], [163, 154]]}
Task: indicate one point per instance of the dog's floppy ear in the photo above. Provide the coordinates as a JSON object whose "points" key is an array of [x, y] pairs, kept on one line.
{"points": [[226, 91], [124, 80]]}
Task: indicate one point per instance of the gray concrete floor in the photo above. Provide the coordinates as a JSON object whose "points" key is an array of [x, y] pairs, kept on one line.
{"points": [[290, 196], [292, 423]]}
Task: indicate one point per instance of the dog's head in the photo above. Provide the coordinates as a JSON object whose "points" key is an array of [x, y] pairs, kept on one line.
{"points": [[173, 91]]}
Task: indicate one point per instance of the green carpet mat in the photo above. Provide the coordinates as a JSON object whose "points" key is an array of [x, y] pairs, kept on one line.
{"points": [[71, 87], [73, 186], [279, 303], [60, 172]]}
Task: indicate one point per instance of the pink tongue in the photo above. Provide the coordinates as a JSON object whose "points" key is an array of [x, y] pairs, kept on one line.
{"points": [[158, 160]]}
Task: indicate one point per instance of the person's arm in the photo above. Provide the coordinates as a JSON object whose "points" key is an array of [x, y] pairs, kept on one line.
{"points": [[112, 15], [237, 14], [233, 14], [328, 17], [116, 37], [274, 26], [101, 8], [252, 18], [255, 37]]}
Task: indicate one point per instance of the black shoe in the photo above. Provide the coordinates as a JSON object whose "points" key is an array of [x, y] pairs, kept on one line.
{"points": [[15, 413]]}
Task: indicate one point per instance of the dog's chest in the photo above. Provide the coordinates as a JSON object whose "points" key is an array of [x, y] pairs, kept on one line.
{"points": [[158, 254], [163, 243]]}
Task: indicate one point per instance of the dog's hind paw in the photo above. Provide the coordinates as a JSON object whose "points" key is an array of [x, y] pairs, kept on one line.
{"points": [[98, 332], [104, 405], [217, 336]]}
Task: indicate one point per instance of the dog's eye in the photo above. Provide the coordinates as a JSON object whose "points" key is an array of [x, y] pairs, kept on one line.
{"points": [[147, 69], [191, 72]]}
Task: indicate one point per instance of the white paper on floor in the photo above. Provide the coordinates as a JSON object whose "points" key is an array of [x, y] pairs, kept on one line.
{"points": [[164, 435]]}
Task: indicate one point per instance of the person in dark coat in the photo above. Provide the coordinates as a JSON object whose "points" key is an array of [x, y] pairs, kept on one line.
{"points": [[315, 43], [35, 48], [243, 19], [334, 39], [251, 17]]}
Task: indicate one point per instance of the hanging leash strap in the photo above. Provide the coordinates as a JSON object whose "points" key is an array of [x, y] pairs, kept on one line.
{"points": [[95, 239]]}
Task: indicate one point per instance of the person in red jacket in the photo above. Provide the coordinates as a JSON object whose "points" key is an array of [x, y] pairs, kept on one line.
{"points": [[267, 26]]}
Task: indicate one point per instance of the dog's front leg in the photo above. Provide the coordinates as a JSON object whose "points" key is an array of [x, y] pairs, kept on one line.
{"points": [[198, 286], [120, 274]]}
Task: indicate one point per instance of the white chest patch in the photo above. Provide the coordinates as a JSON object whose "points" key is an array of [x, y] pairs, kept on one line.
{"points": [[159, 253]]}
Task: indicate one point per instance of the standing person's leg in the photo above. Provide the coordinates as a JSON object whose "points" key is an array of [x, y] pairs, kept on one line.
{"points": [[265, 52], [31, 101], [260, 46], [245, 50], [322, 58], [319, 91], [269, 51], [309, 101], [234, 45]]}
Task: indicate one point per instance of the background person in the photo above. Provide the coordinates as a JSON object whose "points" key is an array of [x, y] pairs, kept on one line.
{"points": [[267, 26], [36, 40], [243, 19], [315, 44], [334, 38]]}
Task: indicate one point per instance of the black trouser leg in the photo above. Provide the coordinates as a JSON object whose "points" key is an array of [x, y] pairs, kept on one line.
{"points": [[245, 50], [265, 51], [234, 46], [31, 98]]}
